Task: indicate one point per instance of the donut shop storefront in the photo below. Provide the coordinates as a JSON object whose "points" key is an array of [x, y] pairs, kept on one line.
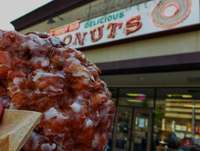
{"points": [[151, 61], [149, 55]]}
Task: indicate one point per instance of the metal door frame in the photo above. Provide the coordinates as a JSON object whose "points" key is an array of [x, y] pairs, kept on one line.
{"points": [[131, 138], [150, 127]]}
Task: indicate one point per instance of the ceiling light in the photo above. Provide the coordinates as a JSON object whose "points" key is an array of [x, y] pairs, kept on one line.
{"points": [[135, 101], [135, 94], [185, 96]]}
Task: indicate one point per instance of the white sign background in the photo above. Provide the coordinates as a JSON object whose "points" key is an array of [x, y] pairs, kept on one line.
{"points": [[148, 27]]}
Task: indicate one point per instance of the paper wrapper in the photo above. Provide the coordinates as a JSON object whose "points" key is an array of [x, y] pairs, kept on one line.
{"points": [[15, 128]]}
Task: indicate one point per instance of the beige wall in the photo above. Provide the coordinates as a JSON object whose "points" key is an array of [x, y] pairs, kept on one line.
{"points": [[173, 44], [169, 79]]}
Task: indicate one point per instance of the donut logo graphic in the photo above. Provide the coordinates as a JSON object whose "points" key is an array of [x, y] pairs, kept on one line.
{"points": [[169, 13]]}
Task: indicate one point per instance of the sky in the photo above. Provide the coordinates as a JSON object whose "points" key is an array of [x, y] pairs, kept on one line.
{"points": [[13, 9]]}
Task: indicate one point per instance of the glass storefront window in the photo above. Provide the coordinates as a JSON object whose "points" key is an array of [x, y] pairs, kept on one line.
{"points": [[136, 97], [156, 119], [176, 119]]}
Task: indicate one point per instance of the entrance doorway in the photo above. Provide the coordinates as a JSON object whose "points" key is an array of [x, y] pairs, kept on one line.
{"points": [[133, 129], [142, 130], [133, 122]]}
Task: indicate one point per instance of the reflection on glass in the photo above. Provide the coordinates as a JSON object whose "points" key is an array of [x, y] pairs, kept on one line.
{"points": [[176, 118], [141, 130], [122, 130], [136, 97], [176, 122]]}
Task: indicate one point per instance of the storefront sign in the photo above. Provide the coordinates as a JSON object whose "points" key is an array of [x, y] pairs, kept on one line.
{"points": [[65, 29], [143, 19]]}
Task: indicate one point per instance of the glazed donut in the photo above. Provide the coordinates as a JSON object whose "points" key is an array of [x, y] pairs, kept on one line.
{"points": [[39, 73], [169, 13]]}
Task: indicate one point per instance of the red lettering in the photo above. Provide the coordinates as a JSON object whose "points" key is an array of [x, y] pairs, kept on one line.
{"points": [[66, 29], [68, 39], [52, 33], [80, 38], [97, 33], [74, 26], [133, 25], [113, 29]]}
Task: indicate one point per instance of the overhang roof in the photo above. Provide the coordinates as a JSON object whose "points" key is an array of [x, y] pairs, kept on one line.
{"points": [[51, 9]]}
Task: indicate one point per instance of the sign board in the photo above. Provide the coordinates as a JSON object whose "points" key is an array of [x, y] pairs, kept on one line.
{"points": [[147, 18]]}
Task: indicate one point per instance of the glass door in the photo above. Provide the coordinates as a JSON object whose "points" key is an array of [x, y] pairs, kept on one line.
{"points": [[142, 130], [122, 129]]}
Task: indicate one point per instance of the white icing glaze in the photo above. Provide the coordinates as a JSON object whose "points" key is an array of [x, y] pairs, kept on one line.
{"points": [[48, 147], [54, 89], [17, 81], [41, 73], [88, 122], [52, 112], [43, 60], [81, 74], [76, 107], [74, 60], [35, 140], [95, 141]]}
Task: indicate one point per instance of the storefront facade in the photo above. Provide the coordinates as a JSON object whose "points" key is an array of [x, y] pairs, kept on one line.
{"points": [[147, 123], [149, 54]]}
